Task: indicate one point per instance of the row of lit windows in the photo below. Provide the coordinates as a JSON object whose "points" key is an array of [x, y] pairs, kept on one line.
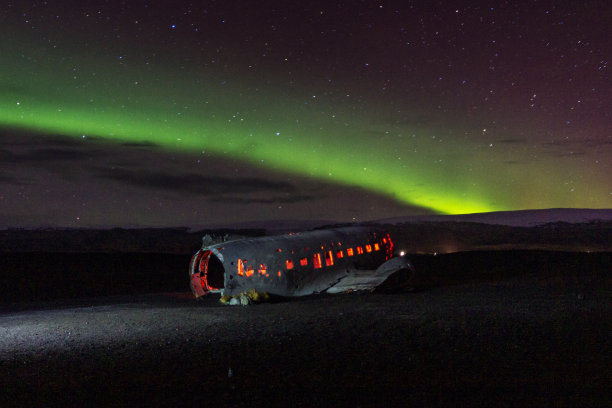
{"points": [[317, 260], [250, 271], [329, 256]]}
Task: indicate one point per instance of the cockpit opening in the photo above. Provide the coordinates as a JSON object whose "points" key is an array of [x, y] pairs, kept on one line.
{"points": [[215, 276], [207, 273]]}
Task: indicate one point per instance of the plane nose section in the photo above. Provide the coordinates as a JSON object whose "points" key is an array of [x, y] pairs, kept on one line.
{"points": [[197, 278], [206, 273]]}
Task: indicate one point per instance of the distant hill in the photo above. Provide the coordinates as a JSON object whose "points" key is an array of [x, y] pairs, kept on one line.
{"points": [[523, 218], [555, 229], [458, 236]]}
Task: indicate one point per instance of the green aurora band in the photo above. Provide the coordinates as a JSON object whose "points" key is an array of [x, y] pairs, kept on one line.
{"points": [[192, 110]]}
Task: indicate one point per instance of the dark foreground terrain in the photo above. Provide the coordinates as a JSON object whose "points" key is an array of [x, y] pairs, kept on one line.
{"points": [[516, 328]]}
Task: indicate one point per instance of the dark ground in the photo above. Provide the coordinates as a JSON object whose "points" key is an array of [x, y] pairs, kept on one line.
{"points": [[513, 328]]}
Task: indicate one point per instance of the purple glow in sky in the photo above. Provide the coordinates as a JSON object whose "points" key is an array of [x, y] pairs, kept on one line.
{"points": [[192, 113]]}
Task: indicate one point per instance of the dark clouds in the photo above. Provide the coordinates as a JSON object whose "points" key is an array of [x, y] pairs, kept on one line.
{"points": [[424, 101], [49, 155], [192, 183], [53, 181], [144, 144]]}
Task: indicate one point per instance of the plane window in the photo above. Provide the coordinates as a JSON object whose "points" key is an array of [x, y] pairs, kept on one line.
{"points": [[317, 260], [240, 267], [359, 250], [339, 254], [263, 269], [376, 246], [369, 248], [349, 252], [304, 261], [249, 271], [289, 264], [329, 258]]}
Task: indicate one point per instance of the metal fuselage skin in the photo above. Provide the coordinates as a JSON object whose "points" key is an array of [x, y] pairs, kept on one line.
{"points": [[290, 265]]}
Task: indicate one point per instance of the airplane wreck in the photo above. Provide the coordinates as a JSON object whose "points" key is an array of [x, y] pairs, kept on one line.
{"points": [[329, 260]]}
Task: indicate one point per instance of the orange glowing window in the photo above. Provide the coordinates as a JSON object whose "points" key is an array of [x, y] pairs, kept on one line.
{"points": [[329, 258], [249, 271], [263, 269], [279, 274], [376, 246], [368, 248], [385, 240], [349, 252], [240, 267], [339, 254], [317, 260], [289, 264], [359, 250], [303, 261]]}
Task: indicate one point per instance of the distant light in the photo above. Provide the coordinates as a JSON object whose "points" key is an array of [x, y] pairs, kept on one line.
{"points": [[402, 253]]}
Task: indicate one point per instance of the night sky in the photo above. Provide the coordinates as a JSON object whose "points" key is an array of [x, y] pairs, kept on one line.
{"points": [[153, 113]]}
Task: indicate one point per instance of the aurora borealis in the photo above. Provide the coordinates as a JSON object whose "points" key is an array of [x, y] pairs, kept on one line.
{"points": [[456, 107]]}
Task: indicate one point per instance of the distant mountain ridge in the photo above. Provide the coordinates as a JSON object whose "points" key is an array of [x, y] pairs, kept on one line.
{"points": [[521, 218], [556, 229]]}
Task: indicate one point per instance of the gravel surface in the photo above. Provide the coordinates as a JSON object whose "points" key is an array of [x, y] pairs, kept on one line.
{"points": [[539, 339]]}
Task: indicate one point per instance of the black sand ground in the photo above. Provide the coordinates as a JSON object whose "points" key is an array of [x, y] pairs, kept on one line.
{"points": [[519, 328]]}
